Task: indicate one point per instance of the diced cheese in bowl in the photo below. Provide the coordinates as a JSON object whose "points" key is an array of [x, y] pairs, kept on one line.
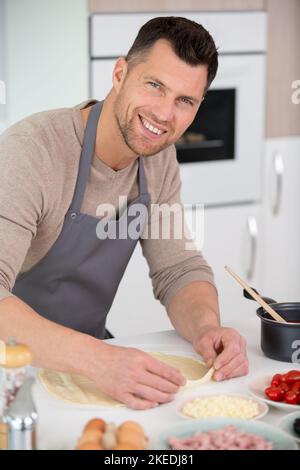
{"points": [[232, 406]]}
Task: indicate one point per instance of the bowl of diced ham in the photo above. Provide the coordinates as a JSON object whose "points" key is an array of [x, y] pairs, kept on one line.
{"points": [[224, 434]]}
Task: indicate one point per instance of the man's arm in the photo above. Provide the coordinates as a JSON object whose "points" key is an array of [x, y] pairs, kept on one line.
{"points": [[128, 375], [52, 345], [193, 308], [194, 312]]}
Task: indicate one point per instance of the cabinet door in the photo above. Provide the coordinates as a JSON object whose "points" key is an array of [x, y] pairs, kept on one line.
{"points": [[281, 213], [113, 34], [232, 236]]}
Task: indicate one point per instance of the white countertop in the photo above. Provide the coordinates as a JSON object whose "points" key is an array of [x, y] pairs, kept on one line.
{"points": [[60, 424]]}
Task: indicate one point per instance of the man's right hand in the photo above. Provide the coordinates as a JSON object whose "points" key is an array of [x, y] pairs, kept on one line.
{"points": [[128, 375], [135, 378]]}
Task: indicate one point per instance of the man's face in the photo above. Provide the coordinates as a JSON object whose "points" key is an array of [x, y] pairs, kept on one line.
{"points": [[158, 99]]}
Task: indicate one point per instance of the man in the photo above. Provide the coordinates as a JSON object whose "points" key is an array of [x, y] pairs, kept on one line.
{"points": [[58, 278]]}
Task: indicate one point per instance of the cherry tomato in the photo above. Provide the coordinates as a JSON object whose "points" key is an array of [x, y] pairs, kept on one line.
{"points": [[274, 393], [296, 387], [291, 398], [276, 380], [284, 387], [283, 378], [293, 376]]}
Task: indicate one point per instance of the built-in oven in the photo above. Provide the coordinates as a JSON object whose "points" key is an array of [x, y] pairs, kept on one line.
{"points": [[220, 154], [211, 136]]}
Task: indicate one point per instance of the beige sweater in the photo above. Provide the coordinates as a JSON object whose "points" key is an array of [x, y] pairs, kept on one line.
{"points": [[39, 158]]}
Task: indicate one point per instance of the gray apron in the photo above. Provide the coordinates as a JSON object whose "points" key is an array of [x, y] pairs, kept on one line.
{"points": [[76, 282]]}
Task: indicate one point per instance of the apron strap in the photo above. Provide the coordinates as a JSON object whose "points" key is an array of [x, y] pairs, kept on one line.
{"points": [[143, 188], [87, 153]]}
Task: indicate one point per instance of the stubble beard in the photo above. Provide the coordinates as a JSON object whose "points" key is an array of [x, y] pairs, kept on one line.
{"points": [[136, 143]]}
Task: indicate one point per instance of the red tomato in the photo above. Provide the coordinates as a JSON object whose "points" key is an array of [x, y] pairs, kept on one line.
{"points": [[284, 387], [276, 380], [274, 393], [283, 378], [296, 387], [292, 377], [291, 398]]}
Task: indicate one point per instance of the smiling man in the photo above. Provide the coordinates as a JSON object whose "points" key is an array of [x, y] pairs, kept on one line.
{"points": [[58, 279]]}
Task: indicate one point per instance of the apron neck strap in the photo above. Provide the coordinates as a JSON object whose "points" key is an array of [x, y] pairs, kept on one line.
{"points": [[143, 189], [87, 153]]}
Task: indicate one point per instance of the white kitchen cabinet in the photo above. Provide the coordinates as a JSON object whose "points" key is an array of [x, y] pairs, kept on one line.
{"points": [[282, 219], [113, 34], [233, 237], [227, 240]]}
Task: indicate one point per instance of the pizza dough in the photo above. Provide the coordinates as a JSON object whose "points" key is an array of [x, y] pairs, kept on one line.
{"points": [[195, 371], [78, 389], [75, 388]]}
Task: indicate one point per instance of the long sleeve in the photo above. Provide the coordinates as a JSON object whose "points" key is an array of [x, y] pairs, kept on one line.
{"points": [[22, 203]]}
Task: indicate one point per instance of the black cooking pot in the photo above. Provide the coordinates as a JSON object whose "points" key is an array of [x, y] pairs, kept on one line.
{"points": [[280, 341]]}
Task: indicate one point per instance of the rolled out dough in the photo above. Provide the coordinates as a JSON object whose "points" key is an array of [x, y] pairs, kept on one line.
{"points": [[195, 371], [80, 390]]}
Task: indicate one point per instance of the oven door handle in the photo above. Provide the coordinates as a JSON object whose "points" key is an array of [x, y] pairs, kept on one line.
{"points": [[279, 170], [253, 232]]}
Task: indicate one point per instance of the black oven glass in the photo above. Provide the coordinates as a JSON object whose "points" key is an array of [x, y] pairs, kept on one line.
{"points": [[211, 135]]}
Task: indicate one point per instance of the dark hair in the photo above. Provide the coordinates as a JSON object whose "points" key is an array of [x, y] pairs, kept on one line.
{"points": [[190, 41]]}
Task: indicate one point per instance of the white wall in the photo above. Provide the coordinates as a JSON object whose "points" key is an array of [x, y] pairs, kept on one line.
{"points": [[2, 61], [47, 55]]}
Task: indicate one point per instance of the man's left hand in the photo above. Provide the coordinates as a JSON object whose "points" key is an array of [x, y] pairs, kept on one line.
{"points": [[224, 349]]}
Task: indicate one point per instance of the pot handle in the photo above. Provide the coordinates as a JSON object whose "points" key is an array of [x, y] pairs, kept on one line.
{"points": [[266, 299]]}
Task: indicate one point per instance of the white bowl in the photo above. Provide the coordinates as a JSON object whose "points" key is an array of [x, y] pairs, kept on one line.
{"points": [[257, 389], [279, 439], [286, 424], [262, 407]]}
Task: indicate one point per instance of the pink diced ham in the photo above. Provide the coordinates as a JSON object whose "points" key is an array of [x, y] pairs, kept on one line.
{"points": [[228, 438]]}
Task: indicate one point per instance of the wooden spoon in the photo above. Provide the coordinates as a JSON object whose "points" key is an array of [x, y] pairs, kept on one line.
{"points": [[256, 297]]}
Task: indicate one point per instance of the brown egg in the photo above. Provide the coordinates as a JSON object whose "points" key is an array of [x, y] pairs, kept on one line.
{"points": [[126, 447], [91, 435], [129, 434], [132, 425], [89, 446], [95, 423], [131, 438]]}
